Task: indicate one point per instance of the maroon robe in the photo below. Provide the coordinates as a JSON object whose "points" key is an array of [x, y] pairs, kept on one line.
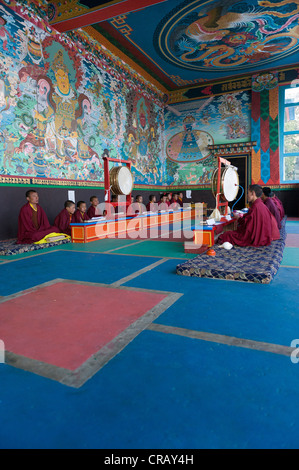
{"points": [[163, 206], [78, 217], [254, 229], [63, 220], [152, 207], [275, 231], [274, 210], [175, 204], [136, 208], [91, 212], [279, 205], [32, 227]]}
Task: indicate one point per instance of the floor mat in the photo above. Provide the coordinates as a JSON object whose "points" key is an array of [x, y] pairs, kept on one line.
{"points": [[246, 264], [10, 247]]}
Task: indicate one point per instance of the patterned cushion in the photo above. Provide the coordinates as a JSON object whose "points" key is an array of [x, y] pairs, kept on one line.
{"points": [[248, 264], [10, 247]]}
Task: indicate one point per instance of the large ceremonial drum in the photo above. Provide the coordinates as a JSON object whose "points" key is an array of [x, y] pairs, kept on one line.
{"points": [[229, 182], [121, 180]]}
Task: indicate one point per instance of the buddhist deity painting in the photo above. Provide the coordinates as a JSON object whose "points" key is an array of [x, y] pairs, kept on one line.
{"points": [[142, 139], [60, 111], [66, 99], [189, 145], [191, 127]]}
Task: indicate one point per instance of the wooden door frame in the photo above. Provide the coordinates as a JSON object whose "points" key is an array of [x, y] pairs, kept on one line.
{"points": [[237, 150], [246, 156]]}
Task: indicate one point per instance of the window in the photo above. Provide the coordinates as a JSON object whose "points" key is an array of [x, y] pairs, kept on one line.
{"points": [[289, 134]]}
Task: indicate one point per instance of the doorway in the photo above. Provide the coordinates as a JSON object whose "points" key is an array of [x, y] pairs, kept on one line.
{"points": [[240, 161]]}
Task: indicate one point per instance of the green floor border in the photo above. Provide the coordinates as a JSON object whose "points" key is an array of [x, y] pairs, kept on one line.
{"points": [[155, 248], [101, 246], [290, 256]]}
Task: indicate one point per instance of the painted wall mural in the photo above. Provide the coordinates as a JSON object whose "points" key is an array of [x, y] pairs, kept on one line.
{"points": [[190, 127], [60, 112]]}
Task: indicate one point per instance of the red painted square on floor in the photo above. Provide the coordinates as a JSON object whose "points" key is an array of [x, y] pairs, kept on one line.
{"points": [[64, 324]]}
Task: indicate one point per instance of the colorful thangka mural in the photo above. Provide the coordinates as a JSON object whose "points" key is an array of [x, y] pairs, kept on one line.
{"points": [[192, 126], [60, 112]]}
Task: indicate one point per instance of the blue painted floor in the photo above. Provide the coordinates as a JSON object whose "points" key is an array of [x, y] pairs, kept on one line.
{"points": [[292, 227], [164, 391], [87, 267]]}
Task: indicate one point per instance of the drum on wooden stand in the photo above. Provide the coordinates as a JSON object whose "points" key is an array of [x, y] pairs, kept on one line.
{"points": [[229, 182], [121, 180]]}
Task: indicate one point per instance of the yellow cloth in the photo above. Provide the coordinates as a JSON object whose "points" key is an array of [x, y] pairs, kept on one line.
{"points": [[50, 235], [32, 207]]}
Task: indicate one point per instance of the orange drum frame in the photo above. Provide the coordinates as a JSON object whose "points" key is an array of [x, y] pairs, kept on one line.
{"points": [[218, 203], [128, 202]]}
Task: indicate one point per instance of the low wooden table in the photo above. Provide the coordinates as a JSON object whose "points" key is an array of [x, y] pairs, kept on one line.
{"points": [[92, 230], [206, 234]]}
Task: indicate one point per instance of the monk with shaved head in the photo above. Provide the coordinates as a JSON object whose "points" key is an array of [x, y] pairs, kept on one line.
{"points": [[257, 228], [33, 224]]}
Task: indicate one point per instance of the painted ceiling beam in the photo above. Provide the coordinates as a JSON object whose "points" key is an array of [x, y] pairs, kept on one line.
{"points": [[102, 14]]}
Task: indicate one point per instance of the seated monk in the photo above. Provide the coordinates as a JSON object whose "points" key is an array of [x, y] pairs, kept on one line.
{"points": [[277, 202], [80, 214], [93, 210], [152, 204], [275, 230], [33, 224], [256, 227], [64, 218], [279, 205], [163, 204], [174, 202], [267, 200], [114, 201], [137, 207], [180, 199]]}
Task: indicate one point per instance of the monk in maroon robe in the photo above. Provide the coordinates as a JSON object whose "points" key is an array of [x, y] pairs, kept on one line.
{"points": [[33, 224], [268, 201], [174, 202], [80, 215], [256, 227], [152, 205], [64, 218], [93, 210], [137, 207], [275, 231], [163, 204], [180, 199], [269, 193], [279, 206]]}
